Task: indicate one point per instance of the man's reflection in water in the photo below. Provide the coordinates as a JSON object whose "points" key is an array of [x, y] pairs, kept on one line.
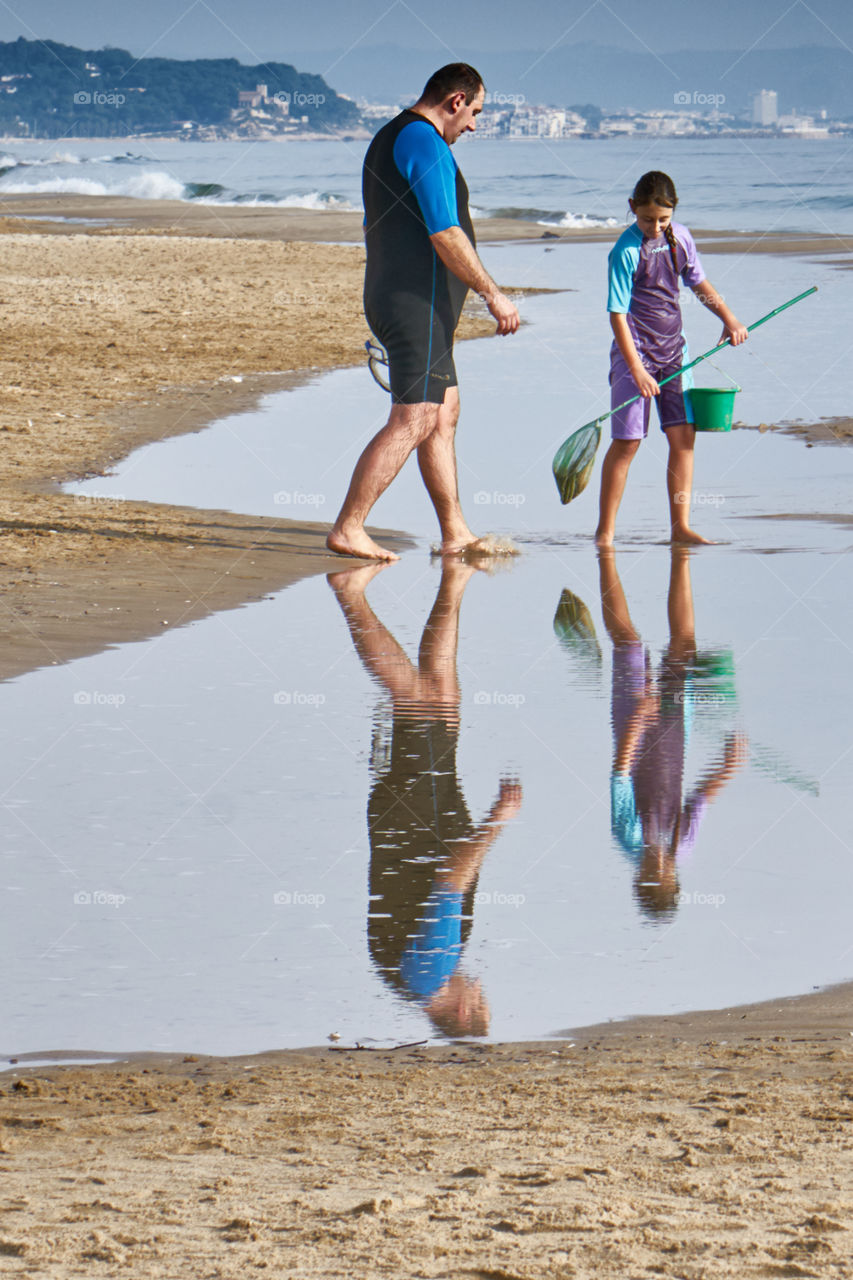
{"points": [[651, 714], [425, 851]]}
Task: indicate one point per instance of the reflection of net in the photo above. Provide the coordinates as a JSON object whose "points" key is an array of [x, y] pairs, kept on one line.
{"points": [[381, 740], [377, 363], [574, 461], [575, 629]]}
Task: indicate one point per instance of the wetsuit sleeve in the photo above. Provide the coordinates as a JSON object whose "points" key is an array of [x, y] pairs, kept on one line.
{"points": [[433, 951], [693, 273], [424, 160], [622, 263]]}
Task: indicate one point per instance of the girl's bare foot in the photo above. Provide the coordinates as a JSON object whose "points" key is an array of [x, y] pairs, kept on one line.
{"points": [[358, 544], [603, 539], [691, 537]]}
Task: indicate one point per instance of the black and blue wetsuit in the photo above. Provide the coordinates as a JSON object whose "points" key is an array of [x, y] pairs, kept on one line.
{"points": [[412, 189]]}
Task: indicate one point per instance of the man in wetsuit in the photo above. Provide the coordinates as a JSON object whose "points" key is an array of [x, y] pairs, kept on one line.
{"points": [[421, 262]]}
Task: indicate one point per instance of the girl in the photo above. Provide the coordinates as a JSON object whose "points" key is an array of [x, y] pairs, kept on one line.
{"points": [[645, 266]]}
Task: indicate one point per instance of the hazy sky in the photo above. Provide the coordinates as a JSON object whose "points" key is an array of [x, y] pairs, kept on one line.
{"points": [[258, 30]]}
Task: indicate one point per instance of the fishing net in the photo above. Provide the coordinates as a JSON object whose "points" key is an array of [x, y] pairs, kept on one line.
{"points": [[377, 363], [574, 461]]}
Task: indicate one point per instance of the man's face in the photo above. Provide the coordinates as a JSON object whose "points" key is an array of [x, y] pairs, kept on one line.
{"points": [[462, 115]]}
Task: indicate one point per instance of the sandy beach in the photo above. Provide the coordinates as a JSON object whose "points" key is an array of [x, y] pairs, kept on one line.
{"points": [[713, 1145], [710, 1145]]}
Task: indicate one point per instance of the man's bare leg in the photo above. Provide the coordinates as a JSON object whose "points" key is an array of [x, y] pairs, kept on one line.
{"points": [[437, 462], [679, 482], [614, 473], [407, 426]]}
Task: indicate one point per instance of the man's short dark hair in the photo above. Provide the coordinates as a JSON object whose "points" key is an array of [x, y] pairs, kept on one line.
{"points": [[456, 77]]}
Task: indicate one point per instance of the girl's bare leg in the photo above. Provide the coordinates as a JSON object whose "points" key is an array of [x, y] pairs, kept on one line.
{"points": [[614, 473], [679, 482]]}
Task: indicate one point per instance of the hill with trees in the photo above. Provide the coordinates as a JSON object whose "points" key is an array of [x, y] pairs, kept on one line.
{"points": [[50, 90]]}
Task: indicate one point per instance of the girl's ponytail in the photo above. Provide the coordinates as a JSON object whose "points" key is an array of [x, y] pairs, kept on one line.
{"points": [[673, 247]]}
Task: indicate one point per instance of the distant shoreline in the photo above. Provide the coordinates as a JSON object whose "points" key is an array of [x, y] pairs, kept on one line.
{"points": [[211, 134], [62, 213]]}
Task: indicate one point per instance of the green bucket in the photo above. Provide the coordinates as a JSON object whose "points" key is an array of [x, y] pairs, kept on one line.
{"points": [[713, 407]]}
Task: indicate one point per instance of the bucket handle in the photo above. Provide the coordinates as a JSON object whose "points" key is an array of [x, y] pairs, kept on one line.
{"points": [[725, 375]]}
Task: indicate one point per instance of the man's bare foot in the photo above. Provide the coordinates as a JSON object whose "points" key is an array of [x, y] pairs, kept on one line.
{"points": [[473, 546], [354, 580], [690, 537], [357, 544]]}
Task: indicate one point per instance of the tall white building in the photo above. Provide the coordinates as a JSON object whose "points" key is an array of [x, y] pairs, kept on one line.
{"points": [[765, 107]]}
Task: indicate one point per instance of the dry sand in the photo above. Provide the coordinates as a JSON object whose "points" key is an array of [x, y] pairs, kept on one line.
{"points": [[695, 1147], [711, 1146]]}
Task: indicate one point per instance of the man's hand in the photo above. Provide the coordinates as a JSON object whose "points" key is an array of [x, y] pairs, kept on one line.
{"points": [[459, 255], [503, 311]]}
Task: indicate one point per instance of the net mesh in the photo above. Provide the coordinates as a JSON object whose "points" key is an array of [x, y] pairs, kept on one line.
{"points": [[574, 461]]}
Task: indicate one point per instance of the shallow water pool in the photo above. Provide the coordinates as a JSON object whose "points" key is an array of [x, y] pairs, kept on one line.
{"points": [[427, 801]]}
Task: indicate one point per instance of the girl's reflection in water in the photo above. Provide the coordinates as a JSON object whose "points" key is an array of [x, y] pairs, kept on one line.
{"points": [[651, 715], [425, 851]]}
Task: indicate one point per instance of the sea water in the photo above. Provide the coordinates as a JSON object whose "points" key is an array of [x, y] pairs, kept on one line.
{"points": [[737, 184]]}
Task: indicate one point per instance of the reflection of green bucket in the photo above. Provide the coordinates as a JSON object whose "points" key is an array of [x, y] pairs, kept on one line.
{"points": [[713, 672], [713, 407]]}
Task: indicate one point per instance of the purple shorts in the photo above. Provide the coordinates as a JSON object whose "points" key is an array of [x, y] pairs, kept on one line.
{"points": [[673, 401]]}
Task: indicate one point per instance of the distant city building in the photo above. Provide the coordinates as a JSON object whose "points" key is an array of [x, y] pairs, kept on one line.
{"points": [[518, 119], [801, 126], [258, 102], [765, 107], [252, 98]]}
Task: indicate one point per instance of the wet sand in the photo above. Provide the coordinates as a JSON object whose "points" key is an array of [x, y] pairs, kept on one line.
{"points": [[825, 431], [709, 1145], [111, 215], [111, 342]]}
